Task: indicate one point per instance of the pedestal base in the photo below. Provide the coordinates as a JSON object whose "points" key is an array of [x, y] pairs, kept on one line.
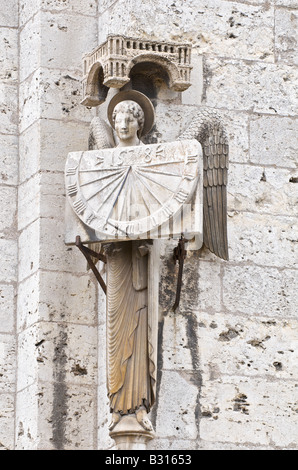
{"points": [[130, 435]]}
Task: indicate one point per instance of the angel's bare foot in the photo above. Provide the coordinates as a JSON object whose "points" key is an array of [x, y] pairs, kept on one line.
{"points": [[143, 419], [115, 419]]}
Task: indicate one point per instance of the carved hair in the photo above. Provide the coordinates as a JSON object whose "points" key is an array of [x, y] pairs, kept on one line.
{"points": [[133, 108]]}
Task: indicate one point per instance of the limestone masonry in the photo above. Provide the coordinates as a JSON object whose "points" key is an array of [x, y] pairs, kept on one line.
{"points": [[227, 361]]}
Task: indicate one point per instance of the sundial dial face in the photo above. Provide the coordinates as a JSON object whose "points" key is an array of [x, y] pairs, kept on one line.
{"points": [[128, 192]]}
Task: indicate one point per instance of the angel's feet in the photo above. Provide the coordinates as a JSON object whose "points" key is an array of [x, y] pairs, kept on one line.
{"points": [[143, 420], [115, 419]]}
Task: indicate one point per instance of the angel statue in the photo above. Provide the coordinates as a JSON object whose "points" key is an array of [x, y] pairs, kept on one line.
{"points": [[131, 325], [131, 359]]}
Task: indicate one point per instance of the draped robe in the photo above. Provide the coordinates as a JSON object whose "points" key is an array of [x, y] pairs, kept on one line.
{"points": [[131, 363]]}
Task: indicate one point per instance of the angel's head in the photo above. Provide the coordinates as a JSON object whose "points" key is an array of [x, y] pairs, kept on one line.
{"points": [[131, 114], [128, 121]]}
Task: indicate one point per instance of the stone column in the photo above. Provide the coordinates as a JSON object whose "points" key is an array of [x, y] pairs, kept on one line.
{"points": [[8, 229], [56, 325]]}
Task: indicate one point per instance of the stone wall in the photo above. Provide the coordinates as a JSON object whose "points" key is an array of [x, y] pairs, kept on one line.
{"points": [[228, 356], [8, 217]]}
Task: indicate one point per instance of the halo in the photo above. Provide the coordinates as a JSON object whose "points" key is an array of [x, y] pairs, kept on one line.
{"points": [[139, 98]]}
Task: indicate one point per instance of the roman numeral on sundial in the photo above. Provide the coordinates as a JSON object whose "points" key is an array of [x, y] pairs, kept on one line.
{"points": [[167, 211], [99, 160], [181, 196], [191, 158], [90, 218], [188, 177], [79, 206], [72, 189], [71, 171]]}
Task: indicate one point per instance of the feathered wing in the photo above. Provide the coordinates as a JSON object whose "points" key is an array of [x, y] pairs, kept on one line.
{"points": [[100, 137], [208, 130]]}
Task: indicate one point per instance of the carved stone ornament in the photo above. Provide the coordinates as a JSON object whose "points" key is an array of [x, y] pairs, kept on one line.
{"points": [[109, 65]]}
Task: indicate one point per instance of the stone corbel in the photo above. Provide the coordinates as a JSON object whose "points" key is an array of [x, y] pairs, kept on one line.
{"points": [[110, 65]]}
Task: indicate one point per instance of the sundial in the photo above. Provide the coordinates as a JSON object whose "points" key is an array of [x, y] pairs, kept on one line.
{"points": [[126, 192]]}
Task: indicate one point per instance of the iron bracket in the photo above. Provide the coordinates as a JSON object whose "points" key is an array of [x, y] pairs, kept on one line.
{"points": [[88, 253], [179, 255]]}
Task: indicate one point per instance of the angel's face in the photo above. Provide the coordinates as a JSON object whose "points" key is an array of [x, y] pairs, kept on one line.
{"points": [[127, 122], [126, 125]]}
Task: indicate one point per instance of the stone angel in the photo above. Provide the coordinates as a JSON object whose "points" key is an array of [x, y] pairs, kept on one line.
{"points": [[130, 325]]}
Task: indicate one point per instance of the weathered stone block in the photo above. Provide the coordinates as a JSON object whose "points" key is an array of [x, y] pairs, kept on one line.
{"points": [[176, 415], [54, 254], [28, 8], [171, 120], [46, 144], [255, 290], [80, 429], [234, 345], [51, 94], [104, 5], [8, 255], [29, 245], [69, 352], [7, 363], [57, 141], [40, 250], [9, 16], [233, 33], [8, 108], [59, 352], [263, 190], [27, 418], [203, 280], [29, 151], [247, 411], [30, 40], [263, 239], [7, 421], [29, 101], [9, 53], [41, 194], [62, 95], [273, 141], [286, 3], [286, 35], [193, 95], [28, 301], [8, 210], [29, 201], [51, 296], [52, 198], [104, 418], [7, 305], [9, 159], [65, 30], [175, 348], [28, 365], [64, 296], [243, 85]]}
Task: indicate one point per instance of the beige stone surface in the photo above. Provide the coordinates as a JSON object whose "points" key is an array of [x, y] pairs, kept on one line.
{"points": [[228, 357]]}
